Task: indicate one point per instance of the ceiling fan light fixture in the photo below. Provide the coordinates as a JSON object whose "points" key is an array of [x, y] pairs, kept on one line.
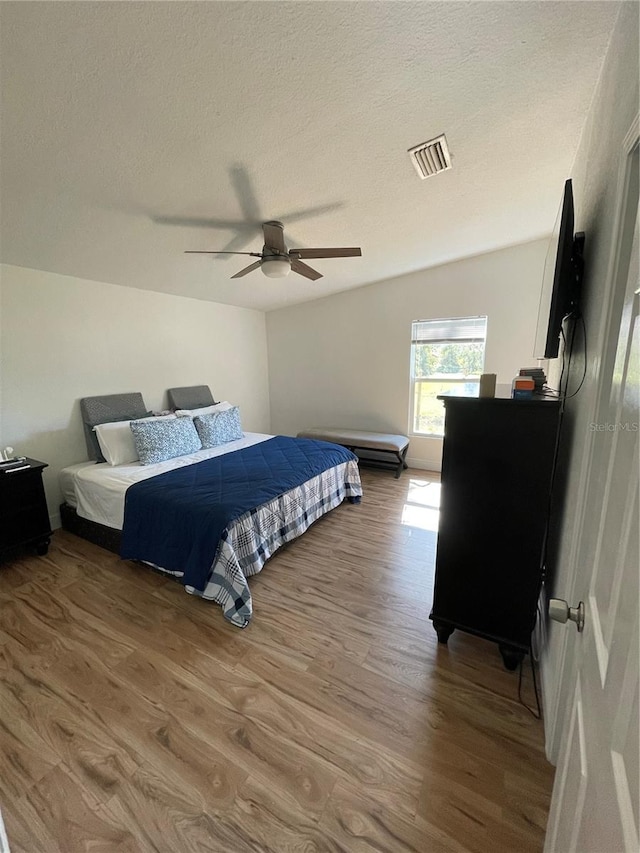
{"points": [[275, 267], [277, 262]]}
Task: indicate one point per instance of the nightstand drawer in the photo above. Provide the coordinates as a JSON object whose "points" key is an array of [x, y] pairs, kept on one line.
{"points": [[20, 485]]}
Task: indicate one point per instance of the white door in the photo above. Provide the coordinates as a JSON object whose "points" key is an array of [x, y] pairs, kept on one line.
{"points": [[596, 796]]}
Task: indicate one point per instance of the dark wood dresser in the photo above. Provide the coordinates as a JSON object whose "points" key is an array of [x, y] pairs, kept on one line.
{"points": [[24, 517], [497, 471]]}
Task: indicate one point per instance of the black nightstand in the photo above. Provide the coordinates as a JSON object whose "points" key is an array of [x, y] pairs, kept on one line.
{"points": [[24, 517]]}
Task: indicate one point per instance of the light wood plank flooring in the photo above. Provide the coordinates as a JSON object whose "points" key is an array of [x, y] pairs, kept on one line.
{"points": [[134, 718]]}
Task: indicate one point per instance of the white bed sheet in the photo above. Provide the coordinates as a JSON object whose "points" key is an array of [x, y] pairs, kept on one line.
{"points": [[67, 480], [97, 492]]}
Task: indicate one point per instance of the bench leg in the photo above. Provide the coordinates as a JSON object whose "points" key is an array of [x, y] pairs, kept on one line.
{"points": [[401, 462]]}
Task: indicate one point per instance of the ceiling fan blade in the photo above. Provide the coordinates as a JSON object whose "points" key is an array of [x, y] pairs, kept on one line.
{"points": [[247, 200], [244, 236], [274, 236], [194, 222], [344, 252], [305, 270], [203, 252], [248, 269], [297, 215]]}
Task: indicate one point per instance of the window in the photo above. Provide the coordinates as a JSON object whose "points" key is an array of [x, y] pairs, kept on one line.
{"points": [[446, 355]]}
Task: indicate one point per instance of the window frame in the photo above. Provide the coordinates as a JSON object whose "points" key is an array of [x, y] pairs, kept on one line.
{"points": [[453, 379]]}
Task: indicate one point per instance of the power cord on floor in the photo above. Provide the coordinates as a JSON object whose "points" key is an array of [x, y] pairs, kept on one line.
{"points": [[567, 352], [538, 715]]}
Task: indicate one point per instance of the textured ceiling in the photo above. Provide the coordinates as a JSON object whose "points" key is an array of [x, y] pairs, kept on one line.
{"points": [[117, 114]]}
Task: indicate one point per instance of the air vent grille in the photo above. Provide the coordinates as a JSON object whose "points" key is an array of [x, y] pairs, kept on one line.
{"points": [[431, 157]]}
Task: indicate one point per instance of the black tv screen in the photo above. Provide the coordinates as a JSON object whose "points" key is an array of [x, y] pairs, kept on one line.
{"points": [[561, 280]]}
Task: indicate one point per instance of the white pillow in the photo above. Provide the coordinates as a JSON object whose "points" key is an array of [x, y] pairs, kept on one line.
{"points": [[116, 440], [206, 410]]}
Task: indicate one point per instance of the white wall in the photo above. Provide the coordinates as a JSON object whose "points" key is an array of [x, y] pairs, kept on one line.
{"points": [[63, 338], [595, 186], [344, 360]]}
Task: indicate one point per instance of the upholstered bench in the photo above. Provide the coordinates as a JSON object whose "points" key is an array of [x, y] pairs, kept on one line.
{"points": [[358, 439]]}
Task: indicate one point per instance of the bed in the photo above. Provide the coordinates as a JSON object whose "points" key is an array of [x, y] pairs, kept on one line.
{"points": [[210, 517]]}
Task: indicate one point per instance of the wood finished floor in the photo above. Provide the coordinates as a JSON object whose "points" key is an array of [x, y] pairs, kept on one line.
{"points": [[133, 718]]}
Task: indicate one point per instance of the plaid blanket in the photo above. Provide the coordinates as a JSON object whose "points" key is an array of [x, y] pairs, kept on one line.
{"points": [[215, 523], [248, 542]]}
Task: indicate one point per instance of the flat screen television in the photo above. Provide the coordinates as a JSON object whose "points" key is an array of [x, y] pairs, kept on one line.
{"points": [[562, 279]]}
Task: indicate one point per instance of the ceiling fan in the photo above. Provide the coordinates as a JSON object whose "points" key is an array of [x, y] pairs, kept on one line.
{"points": [[277, 261]]}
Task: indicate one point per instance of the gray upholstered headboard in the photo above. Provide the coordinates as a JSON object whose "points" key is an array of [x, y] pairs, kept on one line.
{"points": [[108, 409], [192, 397]]}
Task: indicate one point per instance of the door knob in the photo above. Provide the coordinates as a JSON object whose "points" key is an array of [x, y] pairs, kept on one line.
{"points": [[560, 611]]}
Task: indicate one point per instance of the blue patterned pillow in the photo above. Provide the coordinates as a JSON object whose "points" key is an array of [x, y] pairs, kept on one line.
{"points": [[219, 427], [156, 441]]}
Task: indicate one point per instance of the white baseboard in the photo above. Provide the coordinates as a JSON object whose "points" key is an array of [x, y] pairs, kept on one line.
{"points": [[423, 465]]}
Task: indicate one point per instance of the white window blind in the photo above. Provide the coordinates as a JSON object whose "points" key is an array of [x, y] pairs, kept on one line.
{"points": [[447, 356], [457, 329]]}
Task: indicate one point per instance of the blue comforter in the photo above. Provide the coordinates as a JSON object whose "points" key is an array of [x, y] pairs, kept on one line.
{"points": [[177, 519]]}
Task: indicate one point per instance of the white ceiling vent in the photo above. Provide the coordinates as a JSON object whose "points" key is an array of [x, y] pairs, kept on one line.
{"points": [[431, 157]]}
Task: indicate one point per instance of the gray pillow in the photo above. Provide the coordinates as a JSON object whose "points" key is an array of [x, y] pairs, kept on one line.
{"points": [[219, 427], [156, 441]]}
